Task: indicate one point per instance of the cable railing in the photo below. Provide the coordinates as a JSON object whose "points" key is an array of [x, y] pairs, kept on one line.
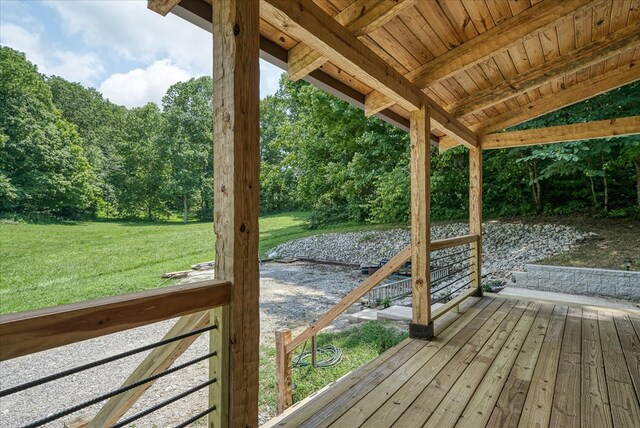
{"points": [[454, 277], [65, 324]]}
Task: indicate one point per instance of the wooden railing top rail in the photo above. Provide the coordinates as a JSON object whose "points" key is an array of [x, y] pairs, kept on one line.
{"points": [[442, 244], [391, 266], [33, 331], [353, 296]]}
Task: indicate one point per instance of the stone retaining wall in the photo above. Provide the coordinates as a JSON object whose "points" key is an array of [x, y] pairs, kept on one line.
{"points": [[593, 282]]}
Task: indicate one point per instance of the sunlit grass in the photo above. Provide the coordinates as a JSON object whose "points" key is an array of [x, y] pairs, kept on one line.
{"points": [[50, 264]]}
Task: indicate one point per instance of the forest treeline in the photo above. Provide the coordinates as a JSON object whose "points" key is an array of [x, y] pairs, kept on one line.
{"points": [[67, 152]]}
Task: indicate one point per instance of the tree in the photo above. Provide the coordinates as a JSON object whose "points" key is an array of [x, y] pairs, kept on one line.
{"points": [[43, 167], [142, 180], [100, 125], [188, 136]]}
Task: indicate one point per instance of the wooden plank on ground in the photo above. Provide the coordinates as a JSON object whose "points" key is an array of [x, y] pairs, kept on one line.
{"points": [[539, 402], [429, 357], [566, 402], [479, 409], [493, 332], [631, 348], [595, 409], [625, 406], [509, 405], [395, 406]]}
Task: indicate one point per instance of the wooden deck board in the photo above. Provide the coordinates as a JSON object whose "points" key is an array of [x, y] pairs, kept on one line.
{"points": [[500, 363]]}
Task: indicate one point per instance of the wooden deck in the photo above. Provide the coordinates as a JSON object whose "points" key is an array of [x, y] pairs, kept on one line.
{"points": [[500, 363]]}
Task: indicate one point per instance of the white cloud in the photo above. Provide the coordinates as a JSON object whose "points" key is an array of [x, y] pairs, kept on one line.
{"points": [[129, 29], [80, 67], [140, 86]]}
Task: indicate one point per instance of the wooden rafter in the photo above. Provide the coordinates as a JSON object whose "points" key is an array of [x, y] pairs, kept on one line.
{"points": [[527, 24], [614, 43], [162, 6], [563, 98], [558, 134], [361, 17], [307, 22]]}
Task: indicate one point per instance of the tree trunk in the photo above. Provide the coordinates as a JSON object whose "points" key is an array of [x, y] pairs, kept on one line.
{"points": [[593, 192], [535, 185], [636, 163], [606, 184], [185, 213]]}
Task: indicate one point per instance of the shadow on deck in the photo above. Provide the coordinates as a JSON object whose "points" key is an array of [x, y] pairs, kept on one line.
{"points": [[500, 362]]}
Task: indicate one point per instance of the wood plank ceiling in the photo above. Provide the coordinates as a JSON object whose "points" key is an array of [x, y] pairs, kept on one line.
{"points": [[491, 63]]}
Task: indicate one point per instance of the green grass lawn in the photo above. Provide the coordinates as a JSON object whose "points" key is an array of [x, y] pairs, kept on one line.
{"points": [[50, 264]]}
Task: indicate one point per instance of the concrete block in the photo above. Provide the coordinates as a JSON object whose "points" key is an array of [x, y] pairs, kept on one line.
{"points": [[628, 293], [402, 313], [362, 316], [588, 278], [607, 290], [562, 277]]}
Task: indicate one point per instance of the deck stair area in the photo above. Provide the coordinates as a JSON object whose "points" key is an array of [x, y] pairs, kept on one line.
{"points": [[498, 362]]}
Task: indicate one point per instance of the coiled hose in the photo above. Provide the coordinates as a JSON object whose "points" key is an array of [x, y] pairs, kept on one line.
{"points": [[326, 356]]}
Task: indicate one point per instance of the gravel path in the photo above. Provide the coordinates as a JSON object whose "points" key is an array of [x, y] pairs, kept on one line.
{"points": [[292, 295]]}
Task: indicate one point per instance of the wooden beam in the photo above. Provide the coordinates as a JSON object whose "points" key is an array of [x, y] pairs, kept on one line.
{"points": [[236, 99], [558, 134], [475, 217], [573, 94], [360, 17], [527, 24], [158, 360], [422, 325], [307, 22], [162, 6], [375, 102], [24, 333], [586, 56]]}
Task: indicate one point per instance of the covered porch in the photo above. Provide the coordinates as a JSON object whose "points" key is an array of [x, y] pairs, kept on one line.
{"points": [[499, 362]]}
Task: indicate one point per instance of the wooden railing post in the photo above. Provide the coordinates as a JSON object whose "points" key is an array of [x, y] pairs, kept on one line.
{"points": [[420, 131], [236, 148], [475, 216], [284, 394]]}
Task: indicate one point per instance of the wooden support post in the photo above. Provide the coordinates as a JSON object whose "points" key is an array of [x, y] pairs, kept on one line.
{"points": [[236, 49], [475, 216], [421, 326], [284, 396]]}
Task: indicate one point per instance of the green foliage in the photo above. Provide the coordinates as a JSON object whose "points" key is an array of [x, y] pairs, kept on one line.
{"points": [[359, 345], [43, 167]]}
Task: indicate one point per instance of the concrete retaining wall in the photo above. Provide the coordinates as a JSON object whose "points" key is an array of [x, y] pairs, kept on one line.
{"points": [[593, 282]]}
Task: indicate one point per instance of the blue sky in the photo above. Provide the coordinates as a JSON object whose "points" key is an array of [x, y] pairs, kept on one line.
{"points": [[127, 52]]}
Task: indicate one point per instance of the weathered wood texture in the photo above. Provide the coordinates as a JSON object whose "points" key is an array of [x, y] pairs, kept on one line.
{"points": [[284, 397], [563, 133], [33, 331], [162, 6], [475, 216], [421, 216], [236, 147], [500, 363]]}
